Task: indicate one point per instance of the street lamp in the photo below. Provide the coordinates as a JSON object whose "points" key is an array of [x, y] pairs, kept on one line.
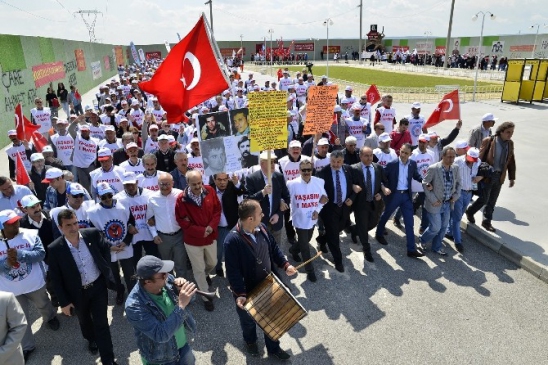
{"points": [[427, 46], [314, 40], [210, 3], [271, 31], [327, 23], [242, 45], [536, 35], [474, 18]]}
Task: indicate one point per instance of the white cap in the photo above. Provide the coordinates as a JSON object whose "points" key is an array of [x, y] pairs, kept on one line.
{"points": [[195, 140], [131, 145], [83, 127], [462, 144], [348, 88], [488, 117], [52, 173], [384, 137], [110, 128], [8, 216], [472, 154], [163, 137], [294, 143], [416, 105], [64, 121], [47, 149], [12, 132], [356, 106], [75, 189], [104, 154], [129, 178], [104, 188], [323, 142], [264, 155], [36, 157], [433, 135], [337, 109], [153, 126], [134, 102], [424, 138], [29, 201]]}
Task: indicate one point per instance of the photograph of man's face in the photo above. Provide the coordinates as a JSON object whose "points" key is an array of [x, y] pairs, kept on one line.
{"points": [[211, 124], [244, 147], [239, 121], [214, 125], [216, 160]]}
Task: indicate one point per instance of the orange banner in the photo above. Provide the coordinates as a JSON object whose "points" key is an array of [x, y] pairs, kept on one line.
{"points": [[119, 52], [47, 72], [332, 49], [522, 48], [319, 109], [80, 59]]}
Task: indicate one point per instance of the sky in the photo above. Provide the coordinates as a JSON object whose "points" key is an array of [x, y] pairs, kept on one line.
{"points": [[155, 21]]}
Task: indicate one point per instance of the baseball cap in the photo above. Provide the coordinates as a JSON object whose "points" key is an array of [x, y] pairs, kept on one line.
{"points": [[433, 135], [123, 102], [75, 189], [149, 265], [83, 127], [323, 142], [110, 128], [194, 140], [131, 145], [424, 138], [12, 132], [472, 155], [47, 149], [153, 126], [324, 77], [123, 119], [104, 154], [36, 157], [163, 137], [462, 144], [29, 201], [64, 121], [337, 109], [348, 88], [416, 105], [488, 117], [52, 173], [264, 155], [294, 143], [104, 188], [87, 107], [356, 107], [8, 216], [134, 102], [384, 137], [129, 178]]}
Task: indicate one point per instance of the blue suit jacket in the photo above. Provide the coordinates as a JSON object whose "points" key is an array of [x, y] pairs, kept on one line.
{"points": [[392, 171]]}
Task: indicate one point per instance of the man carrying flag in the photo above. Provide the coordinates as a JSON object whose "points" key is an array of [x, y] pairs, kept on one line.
{"points": [[179, 82], [19, 149]]}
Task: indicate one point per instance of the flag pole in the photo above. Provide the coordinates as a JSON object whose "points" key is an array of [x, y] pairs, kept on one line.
{"points": [[269, 167], [215, 48]]}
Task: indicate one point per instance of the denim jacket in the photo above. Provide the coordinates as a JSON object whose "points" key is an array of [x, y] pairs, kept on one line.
{"points": [[51, 197], [153, 330]]}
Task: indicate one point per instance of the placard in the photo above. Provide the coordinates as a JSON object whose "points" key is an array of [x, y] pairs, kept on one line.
{"points": [[80, 59], [319, 109], [47, 72], [268, 120], [96, 71]]}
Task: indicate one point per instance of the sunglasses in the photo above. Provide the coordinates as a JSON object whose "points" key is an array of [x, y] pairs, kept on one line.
{"points": [[106, 196], [78, 196], [306, 170]]}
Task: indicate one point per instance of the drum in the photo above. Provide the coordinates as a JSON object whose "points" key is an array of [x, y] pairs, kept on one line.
{"points": [[273, 307]]}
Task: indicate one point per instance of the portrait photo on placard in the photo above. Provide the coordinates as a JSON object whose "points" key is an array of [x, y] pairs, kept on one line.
{"points": [[239, 119], [214, 156], [213, 125], [247, 159]]}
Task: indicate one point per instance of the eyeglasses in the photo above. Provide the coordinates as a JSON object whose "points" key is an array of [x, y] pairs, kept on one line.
{"points": [[363, 98], [106, 196], [77, 196], [306, 170]]}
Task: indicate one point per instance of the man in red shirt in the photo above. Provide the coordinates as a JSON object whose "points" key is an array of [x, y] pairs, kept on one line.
{"points": [[400, 136], [198, 212]]}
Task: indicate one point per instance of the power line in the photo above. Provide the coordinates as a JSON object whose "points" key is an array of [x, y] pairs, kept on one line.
{"points": [[28, 12], [63, 7]]}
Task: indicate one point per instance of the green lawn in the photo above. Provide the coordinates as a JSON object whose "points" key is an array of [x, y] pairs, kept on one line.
{"points": [[386, 78]]}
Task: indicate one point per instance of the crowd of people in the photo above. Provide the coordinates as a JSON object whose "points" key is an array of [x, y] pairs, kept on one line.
{"points": [[120, 201]]}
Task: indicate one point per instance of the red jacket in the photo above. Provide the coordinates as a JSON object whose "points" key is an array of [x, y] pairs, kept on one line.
{"points": [[194, 219], [398, 139]]}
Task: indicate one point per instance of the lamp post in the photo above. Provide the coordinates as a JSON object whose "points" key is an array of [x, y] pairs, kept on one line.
{"points": [[314, 40], [474, 18], [271, 31], [361, 33], [210, 3], [535, 44], [327, 23], [242, 45], [427, 46]]}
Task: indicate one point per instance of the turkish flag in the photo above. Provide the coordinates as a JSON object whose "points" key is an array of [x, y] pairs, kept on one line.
{"points": [[39, 141], [22, 176], [189, 75], [373, 94], [448, 108], [23, 126]]}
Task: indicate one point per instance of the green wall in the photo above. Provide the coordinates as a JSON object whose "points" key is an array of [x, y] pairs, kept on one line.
{"points": [[19, 54]]}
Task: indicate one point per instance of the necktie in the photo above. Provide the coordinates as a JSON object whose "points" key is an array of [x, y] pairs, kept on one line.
{"points": [[338, 189], [368, 185]]}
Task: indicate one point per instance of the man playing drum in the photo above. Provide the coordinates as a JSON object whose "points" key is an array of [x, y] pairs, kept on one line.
{"points": [[251, 253]]}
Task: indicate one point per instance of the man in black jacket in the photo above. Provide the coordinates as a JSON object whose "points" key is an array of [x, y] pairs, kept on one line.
{"points": [[81, 284], [37, 174], [228, 190]]}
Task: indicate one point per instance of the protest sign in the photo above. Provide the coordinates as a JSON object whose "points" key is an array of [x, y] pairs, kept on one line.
{"points": [[268, 120], [213, 125], [319, 108]]}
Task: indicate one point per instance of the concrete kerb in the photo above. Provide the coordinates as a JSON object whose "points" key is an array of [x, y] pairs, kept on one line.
{"points": [[496, 244]]}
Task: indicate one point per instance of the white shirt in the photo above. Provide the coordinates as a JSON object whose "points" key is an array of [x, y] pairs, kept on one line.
{"points": [[305, 200], [64, 145], [84, 261], [415, 128], [466, 173], [162, 208], [222, 222], [385, 158], [423, 160], [138, 206], [137, 168], [42, 118]]}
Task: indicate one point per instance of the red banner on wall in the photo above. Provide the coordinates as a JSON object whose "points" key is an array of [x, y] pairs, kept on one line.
{"points": [[80, 59], [47, 72], [227, 52], [522, 48], [119, 52], [400, 48], [440, 49], [106, 61], [153, 55], [332, 49], [304, 47]]}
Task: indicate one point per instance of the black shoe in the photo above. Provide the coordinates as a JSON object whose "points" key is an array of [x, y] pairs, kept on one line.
{"points": [[120, 297], [397, 223], [322, 248], [208, 279], [339, 267], [26, 353], [208, 305], [280, 355], [93, 348], [252, 349], [459, 247], [54, 324], [421, 230], [487, 225], [353, 235], [381, 240], [220, 273], [294, 251], [311, 276], [415, 254], [368, 258], [470, 218], [449, 237], [322, 241]]}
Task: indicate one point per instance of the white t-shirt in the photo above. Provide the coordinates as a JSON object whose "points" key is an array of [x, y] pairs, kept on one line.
{"points": [[305, 200], [138, 168], [64, 145], [385, 158], [114, 178], [20, 150], [148, 182], [42, 118], [415, 128], [387, 118], [85, 152], [423, 160], [355, 128], [81, 213], [139, 116], [290, 169], [138, 206], [112, 146]]}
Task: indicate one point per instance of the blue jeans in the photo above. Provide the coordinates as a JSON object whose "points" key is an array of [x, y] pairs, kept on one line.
{"points": [[457, 213], [403, 201], [437, 226], [223, 232], [249, 331], [186, 357]]}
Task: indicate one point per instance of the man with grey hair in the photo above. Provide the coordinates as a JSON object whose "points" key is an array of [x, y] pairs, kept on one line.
{"points": [[179, 173]]}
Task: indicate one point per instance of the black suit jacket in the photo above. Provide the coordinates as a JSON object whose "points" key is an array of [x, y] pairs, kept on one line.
{"points": [[359, 179], [254, 184], [161, 165], [392, 171], [64, 273], [229, 201], [326, 175]]}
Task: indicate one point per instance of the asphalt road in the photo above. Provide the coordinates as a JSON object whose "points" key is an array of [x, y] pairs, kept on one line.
{"points": [[475, 308]]}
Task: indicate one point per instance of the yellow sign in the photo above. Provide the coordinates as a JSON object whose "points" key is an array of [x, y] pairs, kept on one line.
{"points": [[267, 120], [319, 108]]}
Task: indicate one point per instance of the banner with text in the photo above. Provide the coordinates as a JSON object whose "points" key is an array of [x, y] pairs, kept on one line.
{"points": [[227, 52], [332, 49], [47, 72], [319, 109], [80, 59], [106, 61], [119, 51], [153, 55], [268, 120], [304, 47], [96, 71]]}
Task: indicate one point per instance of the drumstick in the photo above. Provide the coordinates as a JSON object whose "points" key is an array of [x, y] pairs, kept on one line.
{"points": [[309, 260]]}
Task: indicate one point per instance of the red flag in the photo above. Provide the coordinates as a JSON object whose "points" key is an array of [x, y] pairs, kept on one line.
{"points": [[189, 75], [23, 126], [448, 108], [39, 141], [22, 176], [373, 94]]}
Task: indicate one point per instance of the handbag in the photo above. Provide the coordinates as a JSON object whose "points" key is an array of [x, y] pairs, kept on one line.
{"points": [[55, 103]]}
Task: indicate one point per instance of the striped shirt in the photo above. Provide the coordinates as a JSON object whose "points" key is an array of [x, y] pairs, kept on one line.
{"points": [[466, 173]]}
